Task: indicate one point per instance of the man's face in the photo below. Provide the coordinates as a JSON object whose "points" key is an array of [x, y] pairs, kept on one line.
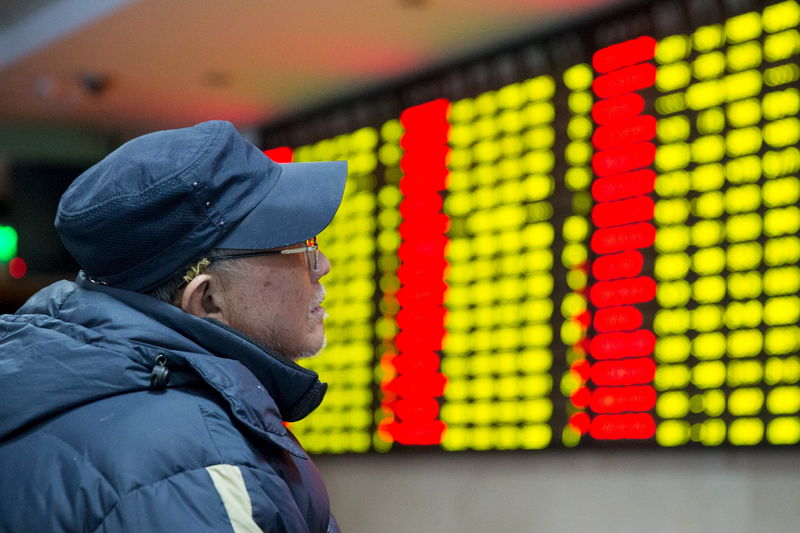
{"points": [[277, 302]]}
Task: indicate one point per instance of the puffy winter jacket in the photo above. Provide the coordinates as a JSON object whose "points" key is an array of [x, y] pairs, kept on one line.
{"points": [[122, 413]]}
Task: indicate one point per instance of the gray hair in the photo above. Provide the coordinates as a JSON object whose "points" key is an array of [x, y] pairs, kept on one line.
{"points": [[170, 290]]}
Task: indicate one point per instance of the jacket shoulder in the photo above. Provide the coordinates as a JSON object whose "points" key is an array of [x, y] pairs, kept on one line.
{"points": [[149, 435], [92, 457]]}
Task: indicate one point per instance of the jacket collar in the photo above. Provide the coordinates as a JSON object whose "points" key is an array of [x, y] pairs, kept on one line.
{"points": [[295, 391]]}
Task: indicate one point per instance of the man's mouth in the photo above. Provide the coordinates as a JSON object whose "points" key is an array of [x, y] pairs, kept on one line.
{"points": [[316, 309]]}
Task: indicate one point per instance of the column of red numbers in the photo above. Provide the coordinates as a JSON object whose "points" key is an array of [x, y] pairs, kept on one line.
{"points": [[622, 367], [412, 395]]}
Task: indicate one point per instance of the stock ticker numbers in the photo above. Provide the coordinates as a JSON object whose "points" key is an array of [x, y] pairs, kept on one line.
{"points": [[411, 395], [343, 422], [497, 352], [727, 244], [575, 253], [602, 251], [621, 366]]}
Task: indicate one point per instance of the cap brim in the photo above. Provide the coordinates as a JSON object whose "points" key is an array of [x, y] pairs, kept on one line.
{"points": [[300, 205]]}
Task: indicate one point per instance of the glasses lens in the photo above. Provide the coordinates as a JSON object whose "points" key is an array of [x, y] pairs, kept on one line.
{"points": [[312, 253]]}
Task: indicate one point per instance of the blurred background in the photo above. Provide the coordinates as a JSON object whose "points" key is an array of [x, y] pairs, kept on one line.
{"points": [[565, 275]]}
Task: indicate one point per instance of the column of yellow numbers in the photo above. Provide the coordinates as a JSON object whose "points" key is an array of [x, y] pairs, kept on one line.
{"points": [[497, 345], [727, 239], [575, 232], [389, 197], [342, 422]]}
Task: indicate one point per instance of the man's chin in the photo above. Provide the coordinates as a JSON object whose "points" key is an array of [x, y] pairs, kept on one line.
{"points": [[311, 353]]}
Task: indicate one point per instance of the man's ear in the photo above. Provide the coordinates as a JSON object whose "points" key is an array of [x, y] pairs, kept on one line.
{"points": [[203, 298]]}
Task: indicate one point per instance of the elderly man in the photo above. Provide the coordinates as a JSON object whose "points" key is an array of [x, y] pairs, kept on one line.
{"points": [[150, 394]]}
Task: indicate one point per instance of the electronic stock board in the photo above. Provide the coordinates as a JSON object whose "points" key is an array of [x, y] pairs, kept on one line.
{"points": [[587, 239]]}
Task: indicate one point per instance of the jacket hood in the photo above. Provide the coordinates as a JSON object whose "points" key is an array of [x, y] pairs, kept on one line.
{"points": [[75, 343]]}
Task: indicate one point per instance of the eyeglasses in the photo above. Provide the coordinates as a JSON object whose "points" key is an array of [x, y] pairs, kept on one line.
{"points": [[311, 249]]}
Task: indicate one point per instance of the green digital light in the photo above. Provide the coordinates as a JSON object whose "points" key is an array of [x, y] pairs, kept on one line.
{"points": [[8, 243]]}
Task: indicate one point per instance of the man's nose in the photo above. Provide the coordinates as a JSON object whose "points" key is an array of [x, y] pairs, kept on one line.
{"points": [[323, 266]]}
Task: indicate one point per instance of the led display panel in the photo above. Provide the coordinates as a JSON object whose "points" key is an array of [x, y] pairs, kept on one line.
{"points": [[589, 239]]}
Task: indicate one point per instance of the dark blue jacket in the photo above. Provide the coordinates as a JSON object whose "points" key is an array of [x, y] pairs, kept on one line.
{"points": [[122, 413]]}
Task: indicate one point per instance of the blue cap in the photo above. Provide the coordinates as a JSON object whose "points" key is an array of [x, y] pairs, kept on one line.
{"points": [[163, 200]]}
